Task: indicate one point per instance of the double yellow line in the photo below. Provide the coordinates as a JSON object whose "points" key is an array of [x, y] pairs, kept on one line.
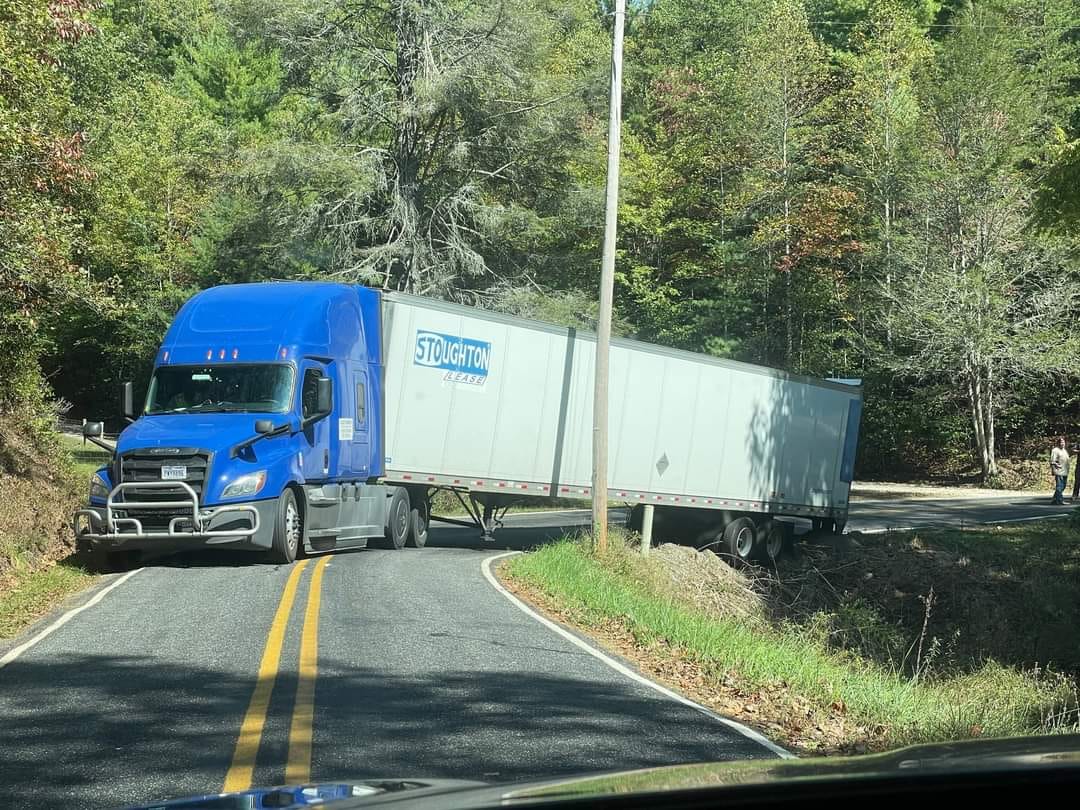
{"points": [[298, 763]]}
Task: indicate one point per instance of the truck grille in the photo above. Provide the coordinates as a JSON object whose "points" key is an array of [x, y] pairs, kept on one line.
{"points": [[145, 465], [156, 520], [141, 465]]}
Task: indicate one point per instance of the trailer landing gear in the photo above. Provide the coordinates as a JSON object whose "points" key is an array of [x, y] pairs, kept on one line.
{"points": [[487, 513]]}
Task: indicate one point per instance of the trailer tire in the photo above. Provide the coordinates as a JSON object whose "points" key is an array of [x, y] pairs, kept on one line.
{"points": [[288, 529], [772, 539], [398, 515], [740, 540], [419, 522]]}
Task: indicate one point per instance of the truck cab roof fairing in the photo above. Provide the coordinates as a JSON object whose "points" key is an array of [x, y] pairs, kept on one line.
{"points": [[269, 322]]}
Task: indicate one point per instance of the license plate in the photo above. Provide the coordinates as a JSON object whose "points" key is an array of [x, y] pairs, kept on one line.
{"points": [[173, 473]]}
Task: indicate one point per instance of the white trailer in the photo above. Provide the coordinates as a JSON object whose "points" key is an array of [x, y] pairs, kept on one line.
{"points": [[497, 406]]}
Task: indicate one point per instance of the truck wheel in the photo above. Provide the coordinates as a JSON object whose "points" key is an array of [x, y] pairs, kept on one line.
{"points": [[740, 540], [288, 529], [419, 522], [398, 519], [771, 540]]}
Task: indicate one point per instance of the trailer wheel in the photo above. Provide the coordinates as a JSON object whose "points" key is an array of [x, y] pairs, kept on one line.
{"points": [[288, 529], [740, 540], [771, 540], [420, 522], [398, 519]]}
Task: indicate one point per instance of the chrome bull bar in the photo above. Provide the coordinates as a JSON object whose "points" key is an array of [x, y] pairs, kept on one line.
{"points": [[114, 524]]}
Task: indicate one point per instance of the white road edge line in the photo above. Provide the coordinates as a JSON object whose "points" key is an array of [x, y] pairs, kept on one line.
{"points": [[622, 669], [15, 652]]}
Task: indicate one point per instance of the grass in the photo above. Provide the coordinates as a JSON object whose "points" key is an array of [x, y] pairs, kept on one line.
{"points": [[38, 489], [882, 708], [87, 458], [30, 594]]}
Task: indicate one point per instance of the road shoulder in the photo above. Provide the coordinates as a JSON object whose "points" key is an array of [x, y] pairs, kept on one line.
{"points": [[606, 647], [59, 614]]}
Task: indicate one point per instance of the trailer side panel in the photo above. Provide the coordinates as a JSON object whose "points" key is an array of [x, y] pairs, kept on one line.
{"points": [[489, 402]]}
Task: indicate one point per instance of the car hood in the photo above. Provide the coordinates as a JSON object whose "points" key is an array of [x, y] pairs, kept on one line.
{"points": [[952, 759], [206, 431]]}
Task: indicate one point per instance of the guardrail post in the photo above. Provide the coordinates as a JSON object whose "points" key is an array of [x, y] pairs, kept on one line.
{"points": [[646, 529]]}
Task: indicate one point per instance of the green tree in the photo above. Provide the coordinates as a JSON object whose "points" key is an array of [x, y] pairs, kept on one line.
{"points": [[981, 304], [781, 80], [157, 158], [883, 111], [237, 83], [42, 170], [453, 126]]}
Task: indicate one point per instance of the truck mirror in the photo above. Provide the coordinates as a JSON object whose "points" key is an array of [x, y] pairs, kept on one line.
{"points": [[93, 430], [127, 398], [263, 426], [324, 396]]}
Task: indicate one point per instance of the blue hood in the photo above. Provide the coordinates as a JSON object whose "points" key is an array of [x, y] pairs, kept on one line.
{"points": [[218, 433], [213, 431]]}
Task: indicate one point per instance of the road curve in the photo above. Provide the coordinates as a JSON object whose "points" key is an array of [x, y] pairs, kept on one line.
{"points": [[422, 669], [202, 668]]}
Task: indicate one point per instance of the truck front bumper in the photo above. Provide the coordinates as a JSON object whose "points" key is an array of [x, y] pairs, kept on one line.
{"points": [[240, 525]]}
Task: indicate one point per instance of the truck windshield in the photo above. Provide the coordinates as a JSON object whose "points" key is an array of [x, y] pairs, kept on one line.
{"points": [[199, 389]]}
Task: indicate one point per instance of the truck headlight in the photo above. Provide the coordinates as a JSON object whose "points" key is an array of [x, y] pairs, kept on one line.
{"points": [[99, 490], [249, 484]]}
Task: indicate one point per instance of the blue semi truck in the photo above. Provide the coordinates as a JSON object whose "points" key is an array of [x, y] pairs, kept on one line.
{"points": [[288, 417]]}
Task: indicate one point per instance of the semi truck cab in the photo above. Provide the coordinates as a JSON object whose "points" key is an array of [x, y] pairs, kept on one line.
{"points": [[260, 430]]}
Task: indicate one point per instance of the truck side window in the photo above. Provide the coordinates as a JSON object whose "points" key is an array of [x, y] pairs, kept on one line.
{"points": [[361, 403], [309, 394]]}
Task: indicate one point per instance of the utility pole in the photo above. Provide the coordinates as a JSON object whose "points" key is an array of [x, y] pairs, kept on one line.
{"points": [[607, 283]]}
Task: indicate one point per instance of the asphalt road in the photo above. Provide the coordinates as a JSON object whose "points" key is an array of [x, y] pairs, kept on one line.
{"points": [[423, 669], [880, 515], [202, 669]]}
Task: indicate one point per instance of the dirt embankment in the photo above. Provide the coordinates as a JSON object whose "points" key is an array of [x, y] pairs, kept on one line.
{"points": [[38, 492], [940, 602]]}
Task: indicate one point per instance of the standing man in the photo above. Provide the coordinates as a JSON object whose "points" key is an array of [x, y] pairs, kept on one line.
{"points": [[1059, 466]]}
